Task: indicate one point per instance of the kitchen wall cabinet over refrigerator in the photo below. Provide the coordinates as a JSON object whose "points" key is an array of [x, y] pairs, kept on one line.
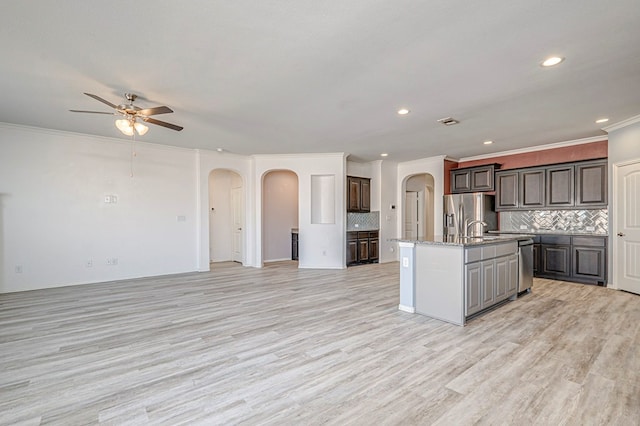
{"points": [[473, 179], [358, 194]]}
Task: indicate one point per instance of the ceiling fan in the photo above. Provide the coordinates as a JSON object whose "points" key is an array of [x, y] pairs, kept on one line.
{"points": [[130, 114]]}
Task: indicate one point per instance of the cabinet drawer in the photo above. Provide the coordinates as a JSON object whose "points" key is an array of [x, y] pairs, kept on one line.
{"points": [[373, 234], [506, 249], [488, 252], [351, 236], [472, 254], [556, 239], [589, 241]]}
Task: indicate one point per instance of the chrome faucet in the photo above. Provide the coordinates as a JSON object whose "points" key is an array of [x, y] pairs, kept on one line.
{"points": [[468, 224]]}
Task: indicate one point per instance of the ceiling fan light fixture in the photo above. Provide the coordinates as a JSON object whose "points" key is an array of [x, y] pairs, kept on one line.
{"points": [[140, 128], [125, 126]]}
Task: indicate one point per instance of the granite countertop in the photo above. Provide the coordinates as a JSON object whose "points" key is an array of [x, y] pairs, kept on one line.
{"points": [[549, 232], [362, 229], [294, 230], [452, 240]]}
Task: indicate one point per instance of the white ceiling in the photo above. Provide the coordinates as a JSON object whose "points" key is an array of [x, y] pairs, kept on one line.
{"points": [[292, 76]]}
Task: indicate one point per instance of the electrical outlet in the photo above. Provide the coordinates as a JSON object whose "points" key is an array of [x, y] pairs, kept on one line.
{"points": [[591, 228], [182, 218], [107, 199], [109, 261], [89, 263], [523, 227], [114, 261], [405, 262], [18, 269]]}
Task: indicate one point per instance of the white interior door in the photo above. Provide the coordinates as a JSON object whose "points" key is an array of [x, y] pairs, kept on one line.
{"points": [[410, 215], [237, 216], [627, 235]]}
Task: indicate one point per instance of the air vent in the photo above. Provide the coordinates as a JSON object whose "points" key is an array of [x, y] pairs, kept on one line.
{"points": [[448, 121]]}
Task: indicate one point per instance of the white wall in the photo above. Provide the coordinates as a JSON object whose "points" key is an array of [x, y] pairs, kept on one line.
{"points": [[54, 219], [433, 166], [280, 213], [208, 161], [221, 183], [321, 245], [385, 187], [624, 146]]}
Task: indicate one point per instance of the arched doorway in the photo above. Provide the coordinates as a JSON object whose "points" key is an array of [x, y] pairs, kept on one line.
{"points": [[418, 206], [226, 216], [279, 214]]}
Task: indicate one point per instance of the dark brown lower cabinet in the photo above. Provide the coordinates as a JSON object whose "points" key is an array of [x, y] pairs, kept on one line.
{"points": [[556, 261], [581, 259], [362, 247]]}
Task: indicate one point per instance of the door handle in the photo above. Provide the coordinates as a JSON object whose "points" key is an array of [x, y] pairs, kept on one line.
{"points": [[620, 234]]}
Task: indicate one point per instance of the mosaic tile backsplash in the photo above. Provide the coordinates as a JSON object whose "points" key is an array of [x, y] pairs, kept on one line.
{"points": [[587, 221], [365, 221]]}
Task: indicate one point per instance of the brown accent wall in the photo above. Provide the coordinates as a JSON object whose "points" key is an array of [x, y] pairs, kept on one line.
{"points": [[448, 165], [588, 151]]}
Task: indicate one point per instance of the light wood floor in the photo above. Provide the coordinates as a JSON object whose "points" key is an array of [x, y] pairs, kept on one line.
{"points": [[284, 346]]}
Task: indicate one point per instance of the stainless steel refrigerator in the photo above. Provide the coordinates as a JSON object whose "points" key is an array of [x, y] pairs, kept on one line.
{"points": [[463, 214]]}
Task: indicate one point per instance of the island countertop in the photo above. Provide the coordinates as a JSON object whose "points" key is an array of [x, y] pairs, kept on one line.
{"points": [[453, 240]]}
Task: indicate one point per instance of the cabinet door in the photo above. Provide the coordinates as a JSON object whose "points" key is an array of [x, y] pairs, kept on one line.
{"points": [[532, 188], [472, 288], [460, 181], [352, 252], [506, 190], [536, 259], [365, 195], [373, 249], [591, 184], [482, 178], [512, 285], [488, 283], [502, 278], [589, 263], [560, 185], [363, 250], [556, 261], [354, 194], [294, 246]]}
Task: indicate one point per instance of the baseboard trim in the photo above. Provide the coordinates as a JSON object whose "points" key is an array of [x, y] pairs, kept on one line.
{"points": [[410, 309]]}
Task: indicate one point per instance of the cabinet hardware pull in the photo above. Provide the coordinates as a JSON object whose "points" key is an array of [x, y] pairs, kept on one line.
{"points": [[620, 234]]}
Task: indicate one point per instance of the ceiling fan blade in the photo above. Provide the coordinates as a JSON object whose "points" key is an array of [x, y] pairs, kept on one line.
{"points": [[155, 111], [92, 112], [104, 101], [163, 124]]}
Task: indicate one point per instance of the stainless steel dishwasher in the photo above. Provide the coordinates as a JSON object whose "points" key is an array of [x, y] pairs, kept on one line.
{"points": [[525, 265]]}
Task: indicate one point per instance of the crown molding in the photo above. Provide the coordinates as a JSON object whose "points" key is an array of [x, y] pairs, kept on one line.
{"points": [[621, 124], [536, 148]]}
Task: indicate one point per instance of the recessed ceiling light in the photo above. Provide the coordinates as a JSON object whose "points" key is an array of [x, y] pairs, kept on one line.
{"points": [[403, 111], [384, 154], [602, 120], [554, 60], [219, 149], [487, 142]]}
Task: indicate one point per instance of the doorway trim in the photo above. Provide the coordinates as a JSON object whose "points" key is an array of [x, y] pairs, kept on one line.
{"points": [[616, 267]]}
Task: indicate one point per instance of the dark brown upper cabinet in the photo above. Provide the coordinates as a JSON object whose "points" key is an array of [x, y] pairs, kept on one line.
{"points": [[507, 190], [560, 186], [591, 184], [473, 179], [359, 194], [532, 188]]}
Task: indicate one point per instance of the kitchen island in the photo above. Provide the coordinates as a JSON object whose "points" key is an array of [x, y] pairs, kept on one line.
{"points": [[453, 278]]}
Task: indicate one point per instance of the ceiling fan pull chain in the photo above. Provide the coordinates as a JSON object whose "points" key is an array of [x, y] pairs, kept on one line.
{"points": [[133, 150]]}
